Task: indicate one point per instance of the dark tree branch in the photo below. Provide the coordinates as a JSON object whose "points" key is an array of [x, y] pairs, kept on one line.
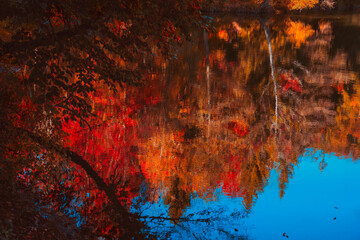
{"points": [[78, 160]]}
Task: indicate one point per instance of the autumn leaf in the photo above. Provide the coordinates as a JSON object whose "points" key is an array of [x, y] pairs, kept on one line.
{"points": [[302, 4], [298, 32]]}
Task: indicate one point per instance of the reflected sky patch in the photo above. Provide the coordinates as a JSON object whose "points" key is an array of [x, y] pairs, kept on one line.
{"points": [[319, 203]]}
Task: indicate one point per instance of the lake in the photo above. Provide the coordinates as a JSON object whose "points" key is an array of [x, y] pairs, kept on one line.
{"points": [[252, 132]]}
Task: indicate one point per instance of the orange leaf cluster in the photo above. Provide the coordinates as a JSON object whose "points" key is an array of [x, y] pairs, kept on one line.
{"points": [[298, 32], [302, 4]]}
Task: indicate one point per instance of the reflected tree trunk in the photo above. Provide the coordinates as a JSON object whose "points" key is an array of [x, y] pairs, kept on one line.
{"points": [[207, 66], [272, 70]]}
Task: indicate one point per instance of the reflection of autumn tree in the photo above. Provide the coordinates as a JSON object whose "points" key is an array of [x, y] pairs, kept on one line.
{"points": [[188, 158], [239, 146], [201, 123], [333, 74], [347, 136]]}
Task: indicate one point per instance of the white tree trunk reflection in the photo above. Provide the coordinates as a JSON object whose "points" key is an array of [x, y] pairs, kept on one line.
{"points": [[272, 70]]}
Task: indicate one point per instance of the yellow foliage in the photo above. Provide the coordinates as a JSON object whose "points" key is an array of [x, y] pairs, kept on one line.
{"points": [[298, 32], [301, 4]]}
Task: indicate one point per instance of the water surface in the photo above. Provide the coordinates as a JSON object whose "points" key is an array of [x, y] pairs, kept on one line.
{"points": [[252, 132]]}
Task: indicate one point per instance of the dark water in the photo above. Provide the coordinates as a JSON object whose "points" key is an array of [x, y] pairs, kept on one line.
{"points": [[254, 133]]}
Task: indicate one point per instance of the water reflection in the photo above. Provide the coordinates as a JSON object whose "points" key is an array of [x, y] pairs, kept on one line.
{"points": [[224, 125], [315, 201], [317, 204], [195, 148]]}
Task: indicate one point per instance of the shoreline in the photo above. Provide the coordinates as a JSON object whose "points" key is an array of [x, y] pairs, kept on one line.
{"points": [[246, 10]]}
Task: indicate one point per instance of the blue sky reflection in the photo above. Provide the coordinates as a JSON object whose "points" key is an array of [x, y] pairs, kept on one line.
{"points": [[312, 200]]}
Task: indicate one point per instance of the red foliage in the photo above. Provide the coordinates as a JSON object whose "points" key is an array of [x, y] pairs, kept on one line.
{"points": [[231, 185], [118, 27], [111, 146], [338, 87], [289, 82], [179, 136], [171, 32], [23, 113], [238, 128], [56, 17]]}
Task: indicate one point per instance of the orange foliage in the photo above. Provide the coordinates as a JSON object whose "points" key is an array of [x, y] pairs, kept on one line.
{"points": [[298, 32], [301, 4], [222, 34]]}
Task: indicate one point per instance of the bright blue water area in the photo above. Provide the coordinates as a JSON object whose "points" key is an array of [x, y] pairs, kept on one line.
{"points": [[313, 198]]}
